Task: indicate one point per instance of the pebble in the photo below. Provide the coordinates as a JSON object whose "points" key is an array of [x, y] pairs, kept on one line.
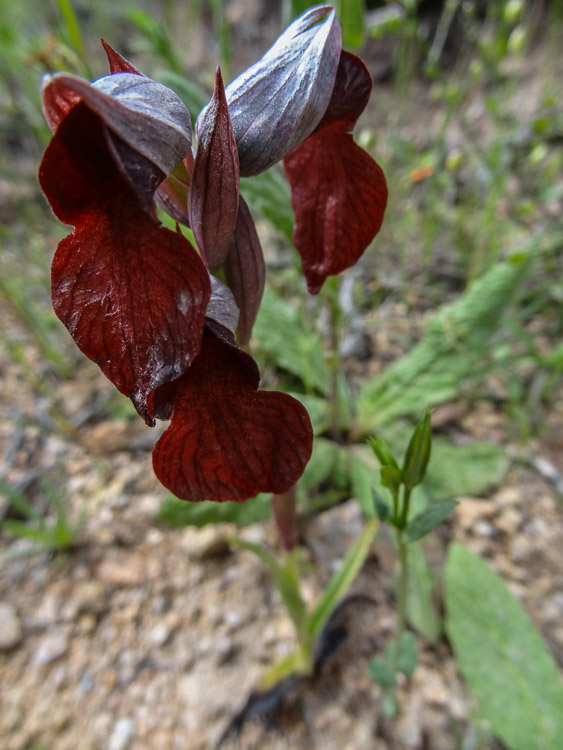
{"points": [[160, 634], [225, 649], [356, 343], [205, 544], [409, 725], [88, 597], [470, 510], [51, 648], [127, 571], [233, 620], [509, 520], [484, 528], [123, 733], [11, 633]]}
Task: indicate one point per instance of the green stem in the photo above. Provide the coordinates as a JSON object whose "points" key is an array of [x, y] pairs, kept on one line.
{"points": [[333, 290], [73, 28], [299, 613], [405, 511], [395, 508], [402, 603]]}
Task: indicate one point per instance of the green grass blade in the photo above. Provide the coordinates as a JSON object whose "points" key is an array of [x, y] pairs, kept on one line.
{"points": [[341, 580], [351, 15]]}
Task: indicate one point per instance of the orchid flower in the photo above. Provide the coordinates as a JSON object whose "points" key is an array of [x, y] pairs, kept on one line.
{"points": [[138, 299]]}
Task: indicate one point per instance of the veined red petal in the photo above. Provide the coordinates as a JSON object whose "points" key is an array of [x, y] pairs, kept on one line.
{"points": [[339, 192], [214, 191], [227, 440], [339, 196], [132, 294], [352, 89]]}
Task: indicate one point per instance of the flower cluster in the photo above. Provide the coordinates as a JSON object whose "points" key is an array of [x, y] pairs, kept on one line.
{"points": [[139, 299]]}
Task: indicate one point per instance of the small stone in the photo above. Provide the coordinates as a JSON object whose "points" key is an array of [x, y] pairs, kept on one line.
{"points": [[108, 437], [233, 620], [205, 544], [433, 687], [51, 648], [10, 627], [520, 548], [125, 571], [88, 597], [122, 734], [509, 520], [225, 650], [87, 624], [470, 510], [160, 634], [484, 528], [409, 724], [508, 496], [86, 682], [356, 344]]}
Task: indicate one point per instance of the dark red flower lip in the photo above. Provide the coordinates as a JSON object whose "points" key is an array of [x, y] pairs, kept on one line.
{"points": [[228, 440]]}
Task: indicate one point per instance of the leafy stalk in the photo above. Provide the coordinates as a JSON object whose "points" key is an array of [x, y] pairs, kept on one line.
{"points": [[334, 361]]}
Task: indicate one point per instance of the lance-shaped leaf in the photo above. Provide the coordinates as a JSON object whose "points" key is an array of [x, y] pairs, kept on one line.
{"points": [[214, 191], [146, 115], [227, 440], [131, 293], [339, 192], [277, 102], [245, 271]]}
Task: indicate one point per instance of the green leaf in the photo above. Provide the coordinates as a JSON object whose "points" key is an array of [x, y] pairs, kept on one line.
{"points": [[502, 656], [156, 35], [455, 348], [316, 408], [382, 510], [293, 664], [300, 353], [383, 452], [351, 15], [43, 535], [341, 580], [362, 481], [381, 673], [422, 612], [452, 470], [329, 461], [20, 503], [418, 454], [178, 513], [269, 194], [286, 583], [407, 658], [427, 520], [391, 478]]}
